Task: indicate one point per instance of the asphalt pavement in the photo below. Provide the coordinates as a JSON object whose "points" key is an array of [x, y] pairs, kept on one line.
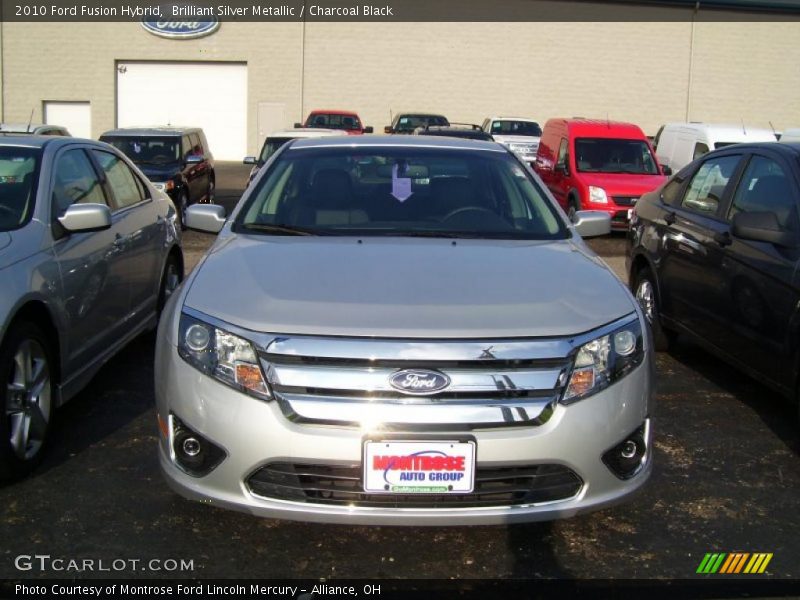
{"points": [[726, 479]]}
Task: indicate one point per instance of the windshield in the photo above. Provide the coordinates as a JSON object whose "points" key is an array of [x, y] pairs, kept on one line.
{"points": [[18, 174], [270, 147], [333, 121], [399, 191], [508, 127], [607, 155], [411, 122], [148, 150]]}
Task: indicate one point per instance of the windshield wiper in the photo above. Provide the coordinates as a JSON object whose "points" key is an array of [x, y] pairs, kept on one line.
{"points": [[281, 229]]}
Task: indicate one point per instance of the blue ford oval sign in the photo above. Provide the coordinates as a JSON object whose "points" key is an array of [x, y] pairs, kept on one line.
{"points": [[419, 382], [175, 28]]}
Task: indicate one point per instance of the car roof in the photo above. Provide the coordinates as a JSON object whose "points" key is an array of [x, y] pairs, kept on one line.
{"points": [[581, 127], [333, 111], [305, 132], [418, 114], [398, 141], [150, 131], [40, 141], [24, 127], [722, 129], [501, 118], [785, 148]]}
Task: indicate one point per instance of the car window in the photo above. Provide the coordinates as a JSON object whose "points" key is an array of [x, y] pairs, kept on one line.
{"points": [[765, 187], [18, 171], [707, 187], [126, 187], [400, 191], [609, 155], [671, 191], [147, 150], [563, 154], [699, 150], [186, 146], [197, 147], [75, 181], [511, 127]]}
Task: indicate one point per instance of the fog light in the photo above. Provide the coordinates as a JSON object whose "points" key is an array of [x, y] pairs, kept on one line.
{"points": [[627, 458], [191, 452], [191, 447]]}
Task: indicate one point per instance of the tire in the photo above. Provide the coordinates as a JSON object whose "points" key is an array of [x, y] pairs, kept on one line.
{"points": [[27, 398], [171, 278], [182, 205], [645, 289], [573, 206]]}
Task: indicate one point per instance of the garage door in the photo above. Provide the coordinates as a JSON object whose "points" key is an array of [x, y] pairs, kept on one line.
{"points": [[75, 116], [208, 95]]}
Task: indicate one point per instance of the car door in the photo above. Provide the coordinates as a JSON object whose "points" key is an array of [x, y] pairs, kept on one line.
{"points": [[93, 277], [761, 296], [694, 236], [140, 227]]}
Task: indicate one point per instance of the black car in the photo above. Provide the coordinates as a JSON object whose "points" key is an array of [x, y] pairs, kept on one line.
{"points": [[176, 159], [406, 123], [460, 130], [714, 254]]}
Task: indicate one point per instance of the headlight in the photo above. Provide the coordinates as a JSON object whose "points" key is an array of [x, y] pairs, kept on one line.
{"points": [[222, 355], [597, 195], [604, 360]]}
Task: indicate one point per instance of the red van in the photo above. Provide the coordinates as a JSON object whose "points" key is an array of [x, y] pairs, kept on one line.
{"points": [[597, 165]]}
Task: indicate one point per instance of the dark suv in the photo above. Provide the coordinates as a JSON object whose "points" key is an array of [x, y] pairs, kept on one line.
{"points": [[714, 254], [406, 123], [176, 159]]}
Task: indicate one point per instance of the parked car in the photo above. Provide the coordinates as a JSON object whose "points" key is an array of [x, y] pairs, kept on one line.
{"points": [[89, 255], [406, 123], [343, 120], [398, 359], [519, 134], [678, 144], [465, 131], [32, 129], [597, 165], [714, 254], [277, 139], [176, 159]]}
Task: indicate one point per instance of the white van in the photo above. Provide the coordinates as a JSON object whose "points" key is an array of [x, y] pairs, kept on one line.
{"points": [[791, 135], [678, 144]]}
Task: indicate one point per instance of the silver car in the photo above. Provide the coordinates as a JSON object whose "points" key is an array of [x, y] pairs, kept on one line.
{"points": [[403, 330], [89, 254]]}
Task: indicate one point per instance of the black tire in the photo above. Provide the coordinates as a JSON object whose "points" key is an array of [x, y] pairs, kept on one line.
{"points": [[180, 206], [171, 278], [645, 288], [19, 458], [573, 206]]}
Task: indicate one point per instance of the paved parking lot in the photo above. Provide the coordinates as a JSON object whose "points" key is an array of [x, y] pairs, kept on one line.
{"points": [[727, 476]]}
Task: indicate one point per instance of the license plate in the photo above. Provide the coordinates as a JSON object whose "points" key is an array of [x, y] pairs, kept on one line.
{"points": [[419, 467]]}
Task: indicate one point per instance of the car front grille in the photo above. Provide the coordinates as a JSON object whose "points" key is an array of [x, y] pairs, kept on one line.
{"points": [[342, 485], [624, 200]]}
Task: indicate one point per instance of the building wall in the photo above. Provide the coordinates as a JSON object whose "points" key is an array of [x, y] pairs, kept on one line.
{"points": [[637, 72]]}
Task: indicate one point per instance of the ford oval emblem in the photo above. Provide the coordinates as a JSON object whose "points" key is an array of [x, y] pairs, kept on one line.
{"points": [[180, 28], [419, 382]]}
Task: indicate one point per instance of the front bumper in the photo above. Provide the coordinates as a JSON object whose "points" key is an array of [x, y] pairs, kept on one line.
{"points": [[254, 433]]}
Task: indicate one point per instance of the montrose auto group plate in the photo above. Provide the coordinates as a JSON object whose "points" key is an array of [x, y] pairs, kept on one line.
{"points": [[419, 467]]}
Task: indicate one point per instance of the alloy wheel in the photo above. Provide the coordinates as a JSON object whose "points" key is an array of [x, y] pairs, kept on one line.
{"points": [[28, 399]]}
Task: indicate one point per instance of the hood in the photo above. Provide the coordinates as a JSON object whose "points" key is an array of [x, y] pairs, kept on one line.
{"points": [[21, 243], [623, 184], [159, 173], [413, 288]]}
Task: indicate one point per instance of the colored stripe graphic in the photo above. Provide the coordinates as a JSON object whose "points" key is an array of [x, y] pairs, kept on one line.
{"points": [[734, 563]]}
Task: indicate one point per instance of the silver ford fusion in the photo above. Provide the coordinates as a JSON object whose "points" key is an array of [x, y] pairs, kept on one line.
{"points": [[402, 331]]}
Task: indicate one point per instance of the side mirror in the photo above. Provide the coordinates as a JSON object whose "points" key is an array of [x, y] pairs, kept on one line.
{"points": [[86, 217], [249, 160], [368, 129], [205, 217], [194, 159], [562, 168], [666, 170], [762, 227], [298, 125], [388, 129], [591, 223]]}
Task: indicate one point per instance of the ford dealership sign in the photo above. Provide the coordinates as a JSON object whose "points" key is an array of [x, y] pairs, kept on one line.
{"points": [[180, 30]]}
